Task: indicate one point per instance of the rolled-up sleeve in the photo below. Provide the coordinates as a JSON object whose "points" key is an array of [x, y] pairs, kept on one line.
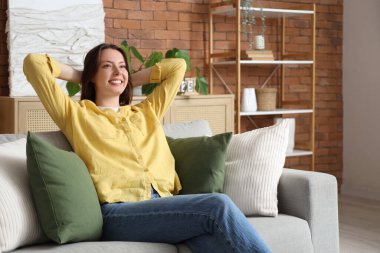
{"points": [[41, 72], [169, 74]]}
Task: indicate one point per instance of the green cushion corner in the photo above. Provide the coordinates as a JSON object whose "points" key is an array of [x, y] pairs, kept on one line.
{"points": [[63, 192], [200, 162]]}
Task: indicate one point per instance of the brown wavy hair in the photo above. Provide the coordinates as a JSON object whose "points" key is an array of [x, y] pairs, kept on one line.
{"points": [[91, 64]]}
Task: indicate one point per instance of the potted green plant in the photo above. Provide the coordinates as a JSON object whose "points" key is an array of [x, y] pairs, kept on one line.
{"points": [[201, 85]]}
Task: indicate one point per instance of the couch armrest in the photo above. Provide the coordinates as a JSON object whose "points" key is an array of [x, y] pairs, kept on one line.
{"points": [[312, 196]]}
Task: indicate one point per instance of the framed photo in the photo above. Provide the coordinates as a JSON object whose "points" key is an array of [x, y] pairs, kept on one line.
{"points": [[190, 86], [183, 87]]}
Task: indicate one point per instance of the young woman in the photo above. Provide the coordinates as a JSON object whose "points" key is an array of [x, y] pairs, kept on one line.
{"points": [[125, 150]]}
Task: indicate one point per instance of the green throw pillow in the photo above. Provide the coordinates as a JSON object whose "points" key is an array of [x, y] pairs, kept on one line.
{"points": [[199, 162], [64, 195]]}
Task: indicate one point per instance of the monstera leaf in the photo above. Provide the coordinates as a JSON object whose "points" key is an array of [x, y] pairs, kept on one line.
{"points": [[176, 53], [72, 88], [201, 85]]}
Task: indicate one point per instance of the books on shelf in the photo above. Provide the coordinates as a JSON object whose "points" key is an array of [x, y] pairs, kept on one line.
{"points": [[257, 55]]}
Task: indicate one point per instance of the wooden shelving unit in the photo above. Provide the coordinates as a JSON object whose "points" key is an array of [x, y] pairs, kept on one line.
{"points": [[248, 62], [233, 59], [277, 112]]}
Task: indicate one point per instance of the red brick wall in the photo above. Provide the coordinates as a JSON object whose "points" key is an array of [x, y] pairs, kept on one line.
{"points": [[161, 25]]}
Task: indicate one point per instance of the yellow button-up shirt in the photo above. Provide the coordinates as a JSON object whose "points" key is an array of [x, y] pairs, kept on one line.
{"points": [[125, 152]]}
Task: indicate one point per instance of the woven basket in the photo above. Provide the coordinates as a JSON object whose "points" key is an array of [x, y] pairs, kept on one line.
{"points": [[266, 99]]}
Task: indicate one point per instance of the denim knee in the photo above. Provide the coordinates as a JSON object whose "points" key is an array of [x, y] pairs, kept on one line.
{"points": [[221, 202], [220, 199]]}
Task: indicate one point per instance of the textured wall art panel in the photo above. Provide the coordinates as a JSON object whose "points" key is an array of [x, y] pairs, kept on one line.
{"points": [[64, 29]]}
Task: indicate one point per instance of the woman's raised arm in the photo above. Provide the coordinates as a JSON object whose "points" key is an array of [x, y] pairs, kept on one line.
{"points": [[141, 77], [41, 71], [70, 74]]}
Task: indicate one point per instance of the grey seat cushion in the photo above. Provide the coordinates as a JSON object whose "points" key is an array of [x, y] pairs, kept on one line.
{"points": [[100, 247], [284, 233], [57, 138], [182, 248]]}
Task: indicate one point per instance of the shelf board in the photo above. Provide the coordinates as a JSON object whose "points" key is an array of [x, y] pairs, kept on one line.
{"points": [[229, 10], [297, 152], [249, 62], [277, 112]]}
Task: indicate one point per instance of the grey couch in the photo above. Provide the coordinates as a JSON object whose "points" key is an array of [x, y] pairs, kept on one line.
{"points": [[308, 219]]}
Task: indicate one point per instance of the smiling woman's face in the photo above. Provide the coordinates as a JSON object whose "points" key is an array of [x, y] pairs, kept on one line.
{"points": [[112, 76]]}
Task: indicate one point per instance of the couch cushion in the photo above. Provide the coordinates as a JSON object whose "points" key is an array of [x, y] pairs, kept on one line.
{"points": [[101, 247], [66, 201], [183, 248], [284, 233], [57, 138], [188, 129], [200, 162], [19, 225], [253, 168], [4, 138]]}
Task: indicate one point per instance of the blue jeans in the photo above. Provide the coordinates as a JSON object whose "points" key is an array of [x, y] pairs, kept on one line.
{"points": [[207, 223]]}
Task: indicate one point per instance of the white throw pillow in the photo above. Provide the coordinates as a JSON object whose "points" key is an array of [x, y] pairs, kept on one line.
{"points": [[254, 164], [19, 224], [188, 129]]}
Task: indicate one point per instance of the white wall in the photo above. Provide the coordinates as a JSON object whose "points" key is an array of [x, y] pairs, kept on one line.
{"points": [[361, 97]]}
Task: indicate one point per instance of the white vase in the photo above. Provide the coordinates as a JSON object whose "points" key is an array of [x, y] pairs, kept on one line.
{"points": [[259, 42], [248, 102], [292, 131]]}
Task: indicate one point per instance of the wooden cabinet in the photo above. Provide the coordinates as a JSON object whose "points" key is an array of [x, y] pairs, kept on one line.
{"points": [[288, 56], [22, 114], [218, 110]]}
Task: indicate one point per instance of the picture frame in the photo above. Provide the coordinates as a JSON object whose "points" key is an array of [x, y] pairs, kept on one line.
{"points": [[182, 87], [190, 86]]}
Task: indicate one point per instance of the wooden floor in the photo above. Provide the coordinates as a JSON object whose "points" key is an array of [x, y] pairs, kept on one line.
{"points": [[359, 221]]}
